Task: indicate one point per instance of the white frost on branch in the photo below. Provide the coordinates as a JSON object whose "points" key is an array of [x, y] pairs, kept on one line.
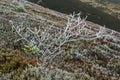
{"points": [[50, 44]]}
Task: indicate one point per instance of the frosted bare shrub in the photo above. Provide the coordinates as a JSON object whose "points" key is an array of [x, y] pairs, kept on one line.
{"points": [[50, 40]]}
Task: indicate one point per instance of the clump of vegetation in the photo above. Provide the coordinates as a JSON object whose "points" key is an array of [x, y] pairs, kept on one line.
{"points": [[30, 49], [19, 5], [20, 8]]}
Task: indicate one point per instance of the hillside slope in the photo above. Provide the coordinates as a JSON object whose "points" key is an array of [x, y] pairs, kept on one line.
{"points": [[40, 44], [111, 7], [99, 13]]}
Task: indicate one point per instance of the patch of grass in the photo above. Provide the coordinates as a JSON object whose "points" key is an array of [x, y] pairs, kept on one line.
{"points": [[20, 8]]}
